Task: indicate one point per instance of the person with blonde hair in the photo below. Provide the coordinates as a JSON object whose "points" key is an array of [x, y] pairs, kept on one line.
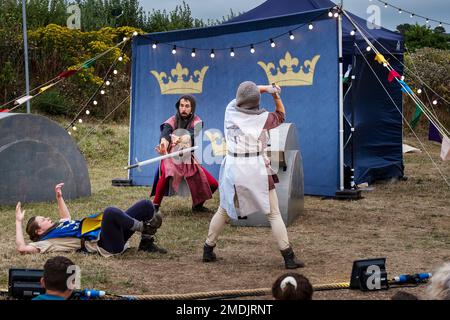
{"points": [[439, 287]]}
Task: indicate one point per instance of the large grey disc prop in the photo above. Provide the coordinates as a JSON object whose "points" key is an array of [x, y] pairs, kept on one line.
{"points": [[285, 154], [36, 154]]}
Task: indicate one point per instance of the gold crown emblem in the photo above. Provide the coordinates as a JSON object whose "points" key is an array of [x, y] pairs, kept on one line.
{"points": [[303, 77], [218, 143], [176, 83]]}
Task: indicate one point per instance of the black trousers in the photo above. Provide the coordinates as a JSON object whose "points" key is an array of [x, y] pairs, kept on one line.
{"points": [[116, 224]]}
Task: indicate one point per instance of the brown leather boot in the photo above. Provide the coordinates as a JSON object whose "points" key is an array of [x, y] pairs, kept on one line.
{"points": [[290, 261]]}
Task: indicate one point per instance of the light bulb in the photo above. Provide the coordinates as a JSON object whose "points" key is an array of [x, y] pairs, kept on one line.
{"points": [[107, 82], [330, 14], [135, 33], [95, 102], [193, 53], [385, 5], [154, 45], [102, 92], [419, 91], [74, 128], [115, 71], [400, 11], [120, 58], [232, 52], [125, 38], [272, 43], [402, 78], [368, 48], [70, 133], [252, 49], [435, 102], [212, 55], [352, 33], [80, 120], [291, 36], [311, 26], [88, 112], [174, 50], [336, 14]]}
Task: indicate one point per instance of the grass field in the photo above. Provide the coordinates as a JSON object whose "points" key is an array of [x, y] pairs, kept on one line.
{"points": [[407, 222]]}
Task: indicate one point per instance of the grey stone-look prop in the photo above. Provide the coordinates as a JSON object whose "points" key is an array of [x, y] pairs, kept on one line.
{"points": [[36, 154]]}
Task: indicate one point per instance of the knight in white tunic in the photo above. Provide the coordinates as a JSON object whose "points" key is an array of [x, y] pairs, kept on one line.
{"points": [[247, 182]]}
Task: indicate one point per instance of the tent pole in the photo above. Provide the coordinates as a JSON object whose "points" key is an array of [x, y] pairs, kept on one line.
{"points": [[341, 106]]}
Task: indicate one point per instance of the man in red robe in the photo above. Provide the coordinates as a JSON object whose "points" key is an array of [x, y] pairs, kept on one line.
{"points": [[177, 133]]}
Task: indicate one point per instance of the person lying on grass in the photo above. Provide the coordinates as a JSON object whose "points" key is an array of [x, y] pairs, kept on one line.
{"points": [[106, 233]]}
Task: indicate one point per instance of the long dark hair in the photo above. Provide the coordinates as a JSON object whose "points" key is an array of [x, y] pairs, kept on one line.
{"points": [[33, 227], [185, 123]]}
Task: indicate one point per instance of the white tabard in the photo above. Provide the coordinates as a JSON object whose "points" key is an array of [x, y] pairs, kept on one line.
{"points": [[243, 182]]}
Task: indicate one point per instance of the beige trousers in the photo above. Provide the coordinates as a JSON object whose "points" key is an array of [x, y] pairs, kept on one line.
{"points": [[279, 231]]}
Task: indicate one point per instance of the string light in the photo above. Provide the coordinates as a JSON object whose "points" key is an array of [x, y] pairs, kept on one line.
{"points": [[368, 48], [403, 78], [385, 5], [412, 15], [419, 91], [231, 52], [70, 133], [135, 33], [107, 82], [102, 92], [88, 112], [400, 11], [120, 58], [95, 102], [154, 45], [174, 50], [80, 120], [428, 20], [115, 71], [330, 14], [74, 128], [272, 43], [336, 14], [252, 49], [353, 32], [125, 38], [193, 53], [435, 102], [212, 54], [310, 27], [291, 35]]}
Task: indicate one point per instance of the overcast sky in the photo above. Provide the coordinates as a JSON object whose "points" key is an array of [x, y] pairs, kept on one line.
{"points": [[390, 18]]}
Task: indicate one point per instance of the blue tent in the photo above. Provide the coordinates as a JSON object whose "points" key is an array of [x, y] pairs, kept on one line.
{"points": [[306, 66]]}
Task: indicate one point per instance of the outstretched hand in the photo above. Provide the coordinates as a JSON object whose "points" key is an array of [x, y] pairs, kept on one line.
{"points": [[19, 213], [58, 190]]}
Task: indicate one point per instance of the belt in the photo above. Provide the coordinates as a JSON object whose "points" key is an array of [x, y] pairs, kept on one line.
{"points": [[244, 155]]}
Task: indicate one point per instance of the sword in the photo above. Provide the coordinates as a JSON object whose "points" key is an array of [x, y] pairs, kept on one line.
{"points": [[166, 156]]}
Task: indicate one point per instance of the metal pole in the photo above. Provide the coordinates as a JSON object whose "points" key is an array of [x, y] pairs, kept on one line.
{"points": [[341, 106], [25, 50]]}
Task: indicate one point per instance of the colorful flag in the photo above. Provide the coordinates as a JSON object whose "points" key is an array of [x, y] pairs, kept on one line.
{"points": [[433, 133], [405, 87], [392, 75], [445, 149], [22, 100], [46, 87], [416, 117], [67, 73], [380, 58]]}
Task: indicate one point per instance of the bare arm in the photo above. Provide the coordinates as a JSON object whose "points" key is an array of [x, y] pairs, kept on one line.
{"points": [[279, 106], [62, 208], [21, 246]]}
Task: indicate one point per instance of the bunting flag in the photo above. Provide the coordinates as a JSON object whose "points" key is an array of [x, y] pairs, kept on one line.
{"points": [[46, 87], [405, 87], [347, 74], [433, 134], [67, 73], [416, 117], [393, 75], [22, 100], [445, 149], [380, 58], [4, 110]]}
